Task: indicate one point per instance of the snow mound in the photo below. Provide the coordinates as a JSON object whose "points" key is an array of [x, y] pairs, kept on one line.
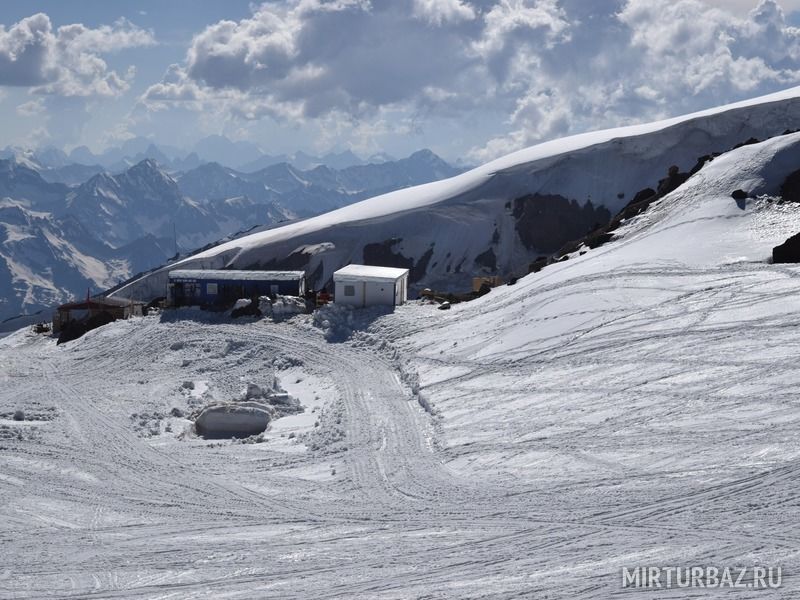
{"points": [[241, 303], [282, 307], [338, 322]]}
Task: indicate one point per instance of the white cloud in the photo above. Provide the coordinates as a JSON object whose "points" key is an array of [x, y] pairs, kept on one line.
{"points": [[698, 51], [66, 61], [550, 67], [437, 12], [311, 58], [31, 108], [650, 59], [512, 21], [742, 7]]}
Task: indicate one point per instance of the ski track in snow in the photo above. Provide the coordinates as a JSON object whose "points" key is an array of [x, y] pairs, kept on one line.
{"points": [[541, 475]]}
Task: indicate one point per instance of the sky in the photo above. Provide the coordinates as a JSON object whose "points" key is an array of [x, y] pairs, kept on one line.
{"points": [[469, 79]]}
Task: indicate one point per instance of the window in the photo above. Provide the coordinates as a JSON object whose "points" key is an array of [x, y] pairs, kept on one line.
{"points": [[349, 290], [211, 289]]}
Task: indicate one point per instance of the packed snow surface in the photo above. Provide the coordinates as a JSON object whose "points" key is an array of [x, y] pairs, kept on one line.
{"points": [[636, 405]]}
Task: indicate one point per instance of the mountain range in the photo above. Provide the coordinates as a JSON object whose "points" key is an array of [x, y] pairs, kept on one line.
{"points": [[61, 235], [80, 163]]}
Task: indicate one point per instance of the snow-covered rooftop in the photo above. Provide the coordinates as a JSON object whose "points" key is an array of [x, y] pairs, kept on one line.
{"points": [[368, 273], [236, 275]]}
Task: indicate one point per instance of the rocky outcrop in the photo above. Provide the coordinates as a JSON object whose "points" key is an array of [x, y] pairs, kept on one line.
{"points": [[383, 254], [547, 221], [672, 181], [600, 235], [788, 251], [487, 260], [790, 189]]}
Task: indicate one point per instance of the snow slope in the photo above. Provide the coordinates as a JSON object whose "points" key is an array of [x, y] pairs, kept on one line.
{"points": [[444, 228], [635, 405]]}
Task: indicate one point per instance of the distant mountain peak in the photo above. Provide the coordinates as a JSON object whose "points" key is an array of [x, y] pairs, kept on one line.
{"points": [[149, 168], [427, 155]]}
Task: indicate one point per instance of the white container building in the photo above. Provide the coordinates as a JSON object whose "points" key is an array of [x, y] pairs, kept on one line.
{"points": [[364, 285]]}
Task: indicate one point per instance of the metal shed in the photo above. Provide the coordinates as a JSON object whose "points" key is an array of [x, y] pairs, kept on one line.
{"points": [[200, 287], [365, 285]]}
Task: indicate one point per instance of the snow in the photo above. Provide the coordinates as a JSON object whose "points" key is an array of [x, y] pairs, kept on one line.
{"points": [[236, 275], [282, 307], [635, 405], [368, 273]]}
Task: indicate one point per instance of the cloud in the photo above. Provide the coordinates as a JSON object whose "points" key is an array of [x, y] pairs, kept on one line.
{"points": [[638, 60], [537, 68], [31, 108], [437, 12], [312, 58], [66, 61], [699, 51]]}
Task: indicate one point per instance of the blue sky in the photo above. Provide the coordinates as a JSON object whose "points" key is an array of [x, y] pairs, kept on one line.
{"points": [[470, 79]]}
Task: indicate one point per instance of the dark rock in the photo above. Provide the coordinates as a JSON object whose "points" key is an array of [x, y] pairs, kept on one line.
{"points": [[642, 195], [788, 251], [701, 162], [790, 189], [382, 254], [748, 142], [487, 260], [539, 264], [598, 238], [672, 181], [176, 412], [547, 222], [739, 195], [19, 415], [420, 267]]}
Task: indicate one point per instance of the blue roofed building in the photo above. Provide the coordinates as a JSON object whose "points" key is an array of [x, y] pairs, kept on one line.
{"points": [[220, 288]]}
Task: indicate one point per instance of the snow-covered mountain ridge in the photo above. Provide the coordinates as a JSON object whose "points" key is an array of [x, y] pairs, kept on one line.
{"points": [[449, 230]]}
